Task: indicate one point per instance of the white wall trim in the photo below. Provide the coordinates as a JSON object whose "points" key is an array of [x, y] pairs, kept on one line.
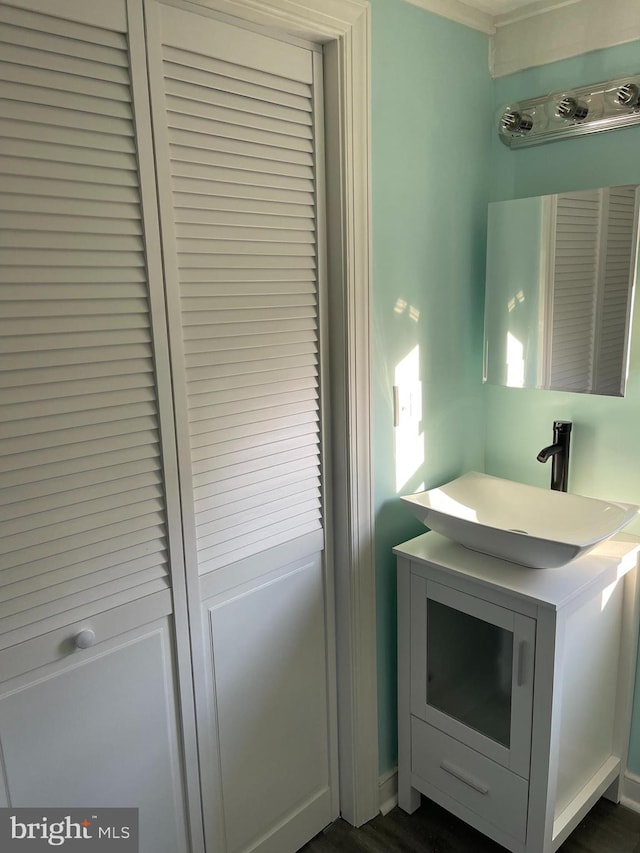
{"points": [[631, 791], [545, 30], [348, 156], [458, 11], [343, 26], [315, 20], [388, 790], [560, 31], [530, 10]]}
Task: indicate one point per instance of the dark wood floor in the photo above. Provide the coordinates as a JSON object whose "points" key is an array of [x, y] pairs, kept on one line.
{"points": [[606, 829]]}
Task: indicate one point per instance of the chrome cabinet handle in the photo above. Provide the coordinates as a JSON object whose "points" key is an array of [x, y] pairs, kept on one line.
{"points": [[84, 639], [465, 777]]}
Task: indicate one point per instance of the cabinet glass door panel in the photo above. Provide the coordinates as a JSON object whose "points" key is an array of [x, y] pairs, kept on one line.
{"points": [[469, 665], [472, 671]]}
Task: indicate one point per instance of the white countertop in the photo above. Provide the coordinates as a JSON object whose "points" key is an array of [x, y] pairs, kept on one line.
{"points": [[607, 563]]}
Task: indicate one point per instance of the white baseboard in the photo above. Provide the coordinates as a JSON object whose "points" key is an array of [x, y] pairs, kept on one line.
{"points": [[388, 790], [631, 791]]}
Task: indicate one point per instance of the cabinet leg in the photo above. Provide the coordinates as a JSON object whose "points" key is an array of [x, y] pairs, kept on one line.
{"points": [[614, 791], [408, 797]]}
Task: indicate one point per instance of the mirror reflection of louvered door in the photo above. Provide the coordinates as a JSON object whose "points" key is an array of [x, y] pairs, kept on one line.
{"points": [[619, 241], [236, 127], [594, 238], [574, 293]]}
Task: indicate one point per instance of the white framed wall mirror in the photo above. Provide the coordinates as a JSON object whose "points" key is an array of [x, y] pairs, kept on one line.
{"points": [[561, 272]]}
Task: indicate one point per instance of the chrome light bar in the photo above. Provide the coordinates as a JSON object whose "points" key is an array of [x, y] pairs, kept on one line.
{"points": [[586, 109]]}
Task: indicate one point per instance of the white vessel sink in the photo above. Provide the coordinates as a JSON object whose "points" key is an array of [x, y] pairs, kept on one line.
{"points": [[535, 527]]}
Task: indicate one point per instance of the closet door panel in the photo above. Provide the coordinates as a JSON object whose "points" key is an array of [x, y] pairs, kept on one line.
{"points": [[85, 468], [109, 736], [235, 116], [266, 680]]}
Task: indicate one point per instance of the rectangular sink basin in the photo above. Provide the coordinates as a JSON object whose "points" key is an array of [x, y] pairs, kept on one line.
{"points": [[534, 527]]}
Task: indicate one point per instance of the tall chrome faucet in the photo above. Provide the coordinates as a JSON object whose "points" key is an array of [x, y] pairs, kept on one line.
{"points": [[559, 450]]}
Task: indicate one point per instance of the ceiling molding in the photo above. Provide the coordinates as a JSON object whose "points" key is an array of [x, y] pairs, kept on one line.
{"points": [[460, 12], [543, 31], [531, 10], [561, 31]]}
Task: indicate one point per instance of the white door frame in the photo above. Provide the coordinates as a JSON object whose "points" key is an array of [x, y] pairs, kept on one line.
{"points": [[343, 27]]}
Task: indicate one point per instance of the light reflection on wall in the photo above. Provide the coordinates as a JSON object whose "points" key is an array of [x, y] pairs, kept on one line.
{"points": [[409, 439], [515, 362]]}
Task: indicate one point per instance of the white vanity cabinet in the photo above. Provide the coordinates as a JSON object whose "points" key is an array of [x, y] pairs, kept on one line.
{"points": [[515, 686]]}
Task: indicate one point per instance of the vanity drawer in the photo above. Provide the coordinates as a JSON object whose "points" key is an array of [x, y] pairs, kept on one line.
{"points": [[485, 788]]}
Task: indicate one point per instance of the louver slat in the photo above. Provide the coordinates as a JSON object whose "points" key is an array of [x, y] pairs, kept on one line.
{"points": [[192, 204], [238, 501], [257, 407], [211, 146], [83, 521], [225, 86], [179, 63]]}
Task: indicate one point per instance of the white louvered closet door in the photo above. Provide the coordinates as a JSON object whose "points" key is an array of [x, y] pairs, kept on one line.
{"points": [[83, 523], [235, 123]]}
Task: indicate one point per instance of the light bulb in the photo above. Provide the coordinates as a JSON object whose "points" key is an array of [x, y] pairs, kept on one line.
{"points": [[623, 97], [572, 108], [514, 121]]}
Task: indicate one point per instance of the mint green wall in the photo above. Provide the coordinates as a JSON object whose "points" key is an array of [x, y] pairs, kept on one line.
{"points": [[436, 163], [605, 456], [431, 101]]}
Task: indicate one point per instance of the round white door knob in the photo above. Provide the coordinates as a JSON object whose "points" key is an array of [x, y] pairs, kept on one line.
{"points": [[84, 639]]}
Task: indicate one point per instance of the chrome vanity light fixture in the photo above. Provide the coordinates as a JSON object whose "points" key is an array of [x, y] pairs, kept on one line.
{"points": [[586, 109]]}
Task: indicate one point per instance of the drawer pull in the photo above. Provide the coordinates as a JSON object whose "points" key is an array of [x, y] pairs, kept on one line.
{"points": [[463, 776], [84, 639]]}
